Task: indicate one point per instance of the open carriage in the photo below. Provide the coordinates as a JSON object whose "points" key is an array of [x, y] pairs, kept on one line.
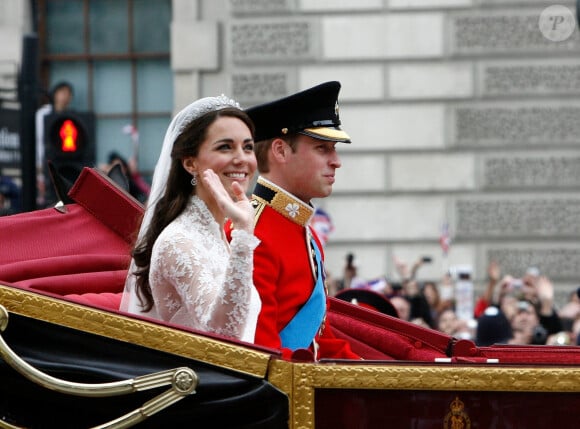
{"points": [[71, 359]]}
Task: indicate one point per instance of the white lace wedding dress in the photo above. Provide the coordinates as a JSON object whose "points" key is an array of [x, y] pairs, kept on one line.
{"points": [[200, 281]]}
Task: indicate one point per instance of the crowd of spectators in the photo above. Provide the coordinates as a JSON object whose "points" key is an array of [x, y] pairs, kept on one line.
{"points": [[509, 310]]}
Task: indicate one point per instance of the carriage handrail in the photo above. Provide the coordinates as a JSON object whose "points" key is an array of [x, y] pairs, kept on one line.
{"points": [[183, 382]]}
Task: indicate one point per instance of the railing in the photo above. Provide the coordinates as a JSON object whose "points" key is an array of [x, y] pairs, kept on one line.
{"points": [[183, 382]]}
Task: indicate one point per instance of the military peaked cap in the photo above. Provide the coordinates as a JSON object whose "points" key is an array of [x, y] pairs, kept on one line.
{"points": [[313, 112], [369, 299]]}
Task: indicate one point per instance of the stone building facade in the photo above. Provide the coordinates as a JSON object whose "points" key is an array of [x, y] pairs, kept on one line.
{"points": [[461, 112]]}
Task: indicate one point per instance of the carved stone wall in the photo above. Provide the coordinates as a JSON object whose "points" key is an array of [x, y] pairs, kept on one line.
{"points": [[460, 111], [546, 122], [532, 173], [517, 217], [502, 31], [527, 78]]}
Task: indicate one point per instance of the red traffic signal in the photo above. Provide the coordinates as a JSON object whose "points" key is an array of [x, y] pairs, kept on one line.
{"points": [[69, 139], [69, 145], [68, 134]]}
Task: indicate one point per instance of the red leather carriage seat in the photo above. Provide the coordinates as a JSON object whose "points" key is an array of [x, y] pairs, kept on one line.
{"points": [[83, 255], [80, 254]]}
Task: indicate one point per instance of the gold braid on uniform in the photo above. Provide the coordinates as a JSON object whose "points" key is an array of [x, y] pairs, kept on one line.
{"points": [[283, 202]]}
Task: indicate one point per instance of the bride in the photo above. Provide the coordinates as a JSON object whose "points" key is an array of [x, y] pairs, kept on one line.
{"points": [[183, 269]]}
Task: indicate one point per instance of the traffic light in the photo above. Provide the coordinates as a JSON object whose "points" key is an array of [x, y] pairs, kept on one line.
{"points": [[69, 134], [70, 142], [69, 145]]}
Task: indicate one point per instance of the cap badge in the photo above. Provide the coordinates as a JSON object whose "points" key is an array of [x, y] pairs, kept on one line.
{"points": [[284, 130]]}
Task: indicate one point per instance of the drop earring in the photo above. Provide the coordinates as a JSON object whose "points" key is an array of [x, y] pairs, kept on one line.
{"points": [[194, 179]]}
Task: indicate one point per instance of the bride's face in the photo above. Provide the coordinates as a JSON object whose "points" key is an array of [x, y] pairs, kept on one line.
{"points": [[228, 150]]}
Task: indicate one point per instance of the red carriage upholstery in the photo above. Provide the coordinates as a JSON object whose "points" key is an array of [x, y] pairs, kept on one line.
{"points": [[82, 254], [379, 336]]}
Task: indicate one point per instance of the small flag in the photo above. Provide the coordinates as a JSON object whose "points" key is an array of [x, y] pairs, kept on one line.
{"points": [[377, 285], [445, 238], [322, 224], [130, 129]]}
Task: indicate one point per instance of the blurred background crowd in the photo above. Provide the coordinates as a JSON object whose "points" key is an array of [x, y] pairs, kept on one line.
{"points": [[510, 310]]}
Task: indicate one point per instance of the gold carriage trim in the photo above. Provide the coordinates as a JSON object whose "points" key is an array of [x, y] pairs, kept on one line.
{"points": [[360, 375], [124, 328]]}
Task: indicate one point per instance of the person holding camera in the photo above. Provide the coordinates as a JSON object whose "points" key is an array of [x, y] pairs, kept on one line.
{"points": [[543, 298], [528, 303], [526, 326], [420, 310]]}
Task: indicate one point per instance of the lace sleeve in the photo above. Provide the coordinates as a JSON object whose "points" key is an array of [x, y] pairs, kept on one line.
{"points": [[214, 285]]}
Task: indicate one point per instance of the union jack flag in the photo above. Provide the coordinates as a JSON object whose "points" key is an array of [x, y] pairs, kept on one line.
{"points": [[322, 224], [445, 238]]}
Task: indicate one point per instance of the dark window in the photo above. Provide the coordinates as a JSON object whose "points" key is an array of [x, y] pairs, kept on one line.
{"points": [[116, 55]]}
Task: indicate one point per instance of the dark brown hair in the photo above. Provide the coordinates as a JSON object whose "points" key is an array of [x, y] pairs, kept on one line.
{"points": [[262, 148]]}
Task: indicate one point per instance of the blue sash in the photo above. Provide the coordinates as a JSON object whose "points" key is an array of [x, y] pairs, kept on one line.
{"points": [[301, 330]]}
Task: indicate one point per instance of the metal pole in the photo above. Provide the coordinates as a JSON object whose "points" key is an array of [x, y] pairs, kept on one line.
{"points": [[27, 86]]}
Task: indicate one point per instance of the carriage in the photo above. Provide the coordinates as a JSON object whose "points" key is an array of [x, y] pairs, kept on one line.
{"points": [[71, 359]]}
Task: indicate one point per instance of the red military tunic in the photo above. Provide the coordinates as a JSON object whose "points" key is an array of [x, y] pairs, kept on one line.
{"points": [[284, 270]]}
